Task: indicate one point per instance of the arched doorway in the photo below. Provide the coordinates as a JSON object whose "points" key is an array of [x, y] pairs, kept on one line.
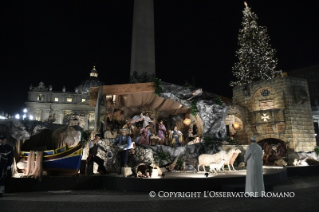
{"points": [[274, 149]]}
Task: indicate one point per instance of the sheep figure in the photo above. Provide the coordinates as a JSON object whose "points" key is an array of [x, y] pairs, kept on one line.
{"points": [[227, 158], [207, 159], [233, 158], [216, 166]]}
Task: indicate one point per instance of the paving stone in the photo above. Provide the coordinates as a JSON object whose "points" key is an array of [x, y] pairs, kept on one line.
{"points": [[105, 200]]}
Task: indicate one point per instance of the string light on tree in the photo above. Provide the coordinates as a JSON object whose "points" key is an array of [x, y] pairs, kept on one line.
{"points": [[256, 59]]}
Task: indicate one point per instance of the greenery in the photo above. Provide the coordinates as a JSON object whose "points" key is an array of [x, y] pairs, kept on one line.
{"points": [[219, 101], [158, 88], [231, 141], [162, 156], [179, 163], [317, 150], [194, 109], [188, 85], [256, 58]]}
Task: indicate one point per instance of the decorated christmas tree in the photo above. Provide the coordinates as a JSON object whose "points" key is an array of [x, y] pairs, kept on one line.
{"points": [[256, 57]]}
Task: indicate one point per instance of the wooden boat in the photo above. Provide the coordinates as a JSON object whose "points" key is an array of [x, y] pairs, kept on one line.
{"points": [[61, 161]]}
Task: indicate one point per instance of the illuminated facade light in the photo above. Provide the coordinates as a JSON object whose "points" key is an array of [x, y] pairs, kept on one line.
{"points": [[187, 121], [236, 125]]}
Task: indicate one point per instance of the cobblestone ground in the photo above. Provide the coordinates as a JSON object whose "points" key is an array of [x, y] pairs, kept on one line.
{"points": [[306, 198]]}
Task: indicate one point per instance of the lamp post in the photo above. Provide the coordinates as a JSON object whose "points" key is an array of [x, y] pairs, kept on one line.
{"points": [[24, 113]]}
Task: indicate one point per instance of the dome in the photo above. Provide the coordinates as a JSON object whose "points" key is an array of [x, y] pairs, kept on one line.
{"points": [[93, 81]]}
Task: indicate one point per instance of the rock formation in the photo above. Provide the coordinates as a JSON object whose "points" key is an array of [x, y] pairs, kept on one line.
{"points": [[211, 113]]}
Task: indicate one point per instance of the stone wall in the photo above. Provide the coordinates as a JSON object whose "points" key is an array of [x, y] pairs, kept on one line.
{"points": [[278, 108]]}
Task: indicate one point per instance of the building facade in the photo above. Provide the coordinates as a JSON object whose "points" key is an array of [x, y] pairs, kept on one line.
{"points": [[45, 104], [278, 110], [311, 74]]}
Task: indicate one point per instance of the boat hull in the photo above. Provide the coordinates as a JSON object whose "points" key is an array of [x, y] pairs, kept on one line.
{"points": [[64, 161]]}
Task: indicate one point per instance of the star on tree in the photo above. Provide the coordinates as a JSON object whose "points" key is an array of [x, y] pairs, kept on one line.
{"points": [[256, 57]]}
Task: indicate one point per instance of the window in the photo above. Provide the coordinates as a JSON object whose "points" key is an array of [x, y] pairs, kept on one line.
{"points": [[56, 99], [83, 100], [69, 99], [40, 97], [265, 92]]}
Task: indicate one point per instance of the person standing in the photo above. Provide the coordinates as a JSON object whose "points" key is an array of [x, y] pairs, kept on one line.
{"points": [[254, 176], [147, 120], [6, 159], [127, 141], [177, 136], [161, 131], [144, 138], [93, 145]]}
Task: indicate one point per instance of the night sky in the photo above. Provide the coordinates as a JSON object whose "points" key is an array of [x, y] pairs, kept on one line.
{"points": [[57, 42]]}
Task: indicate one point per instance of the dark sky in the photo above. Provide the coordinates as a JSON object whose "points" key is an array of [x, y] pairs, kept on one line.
{"points": [[57, 42]]}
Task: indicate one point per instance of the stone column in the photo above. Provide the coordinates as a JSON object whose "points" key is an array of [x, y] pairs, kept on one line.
{"points": [[86, 121], [60, 120], [143, 41], [45, 114]]}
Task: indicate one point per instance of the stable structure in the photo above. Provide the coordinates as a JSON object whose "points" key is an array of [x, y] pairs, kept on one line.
{"points": [[131, 100]]}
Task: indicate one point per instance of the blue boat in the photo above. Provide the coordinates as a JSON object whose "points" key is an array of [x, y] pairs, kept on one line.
{"points": [[61, 161]]}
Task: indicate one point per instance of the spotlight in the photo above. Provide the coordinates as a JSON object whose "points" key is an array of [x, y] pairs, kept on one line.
{"points": [[206, 174], [187, 121], [236, 125]]}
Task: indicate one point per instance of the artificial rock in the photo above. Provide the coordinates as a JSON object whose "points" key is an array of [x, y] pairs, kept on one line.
{"points": [[211, 113]]}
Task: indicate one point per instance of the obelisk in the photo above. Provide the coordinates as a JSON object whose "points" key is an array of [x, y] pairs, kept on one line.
{"points": [[143, 42]]}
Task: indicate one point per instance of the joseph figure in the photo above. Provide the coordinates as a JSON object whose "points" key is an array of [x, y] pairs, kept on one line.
{"points": [[254, 176]]}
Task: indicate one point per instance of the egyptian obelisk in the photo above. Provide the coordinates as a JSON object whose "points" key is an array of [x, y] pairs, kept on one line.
{"points": [[143, 42]]}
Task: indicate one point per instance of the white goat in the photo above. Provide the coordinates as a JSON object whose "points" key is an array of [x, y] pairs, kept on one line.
{"points": [[207, 159], [227, 158], [216, 166], [233, 158]]}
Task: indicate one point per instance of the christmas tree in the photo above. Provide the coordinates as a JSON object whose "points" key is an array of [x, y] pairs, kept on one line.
{"points": [[256, 57]]}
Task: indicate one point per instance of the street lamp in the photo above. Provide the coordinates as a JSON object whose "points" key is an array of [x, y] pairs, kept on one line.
{"points": [[25, 110], [31, 117], [17, 116]]}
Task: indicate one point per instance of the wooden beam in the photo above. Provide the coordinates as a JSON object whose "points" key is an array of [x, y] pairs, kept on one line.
{"points": [[121, 89], [128, 88]]}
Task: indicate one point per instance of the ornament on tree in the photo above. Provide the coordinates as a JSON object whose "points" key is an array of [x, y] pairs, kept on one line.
{"points": [[255, 55]]}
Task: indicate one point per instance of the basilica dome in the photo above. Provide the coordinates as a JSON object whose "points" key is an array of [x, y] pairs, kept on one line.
{"points": [[93, 81]]}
